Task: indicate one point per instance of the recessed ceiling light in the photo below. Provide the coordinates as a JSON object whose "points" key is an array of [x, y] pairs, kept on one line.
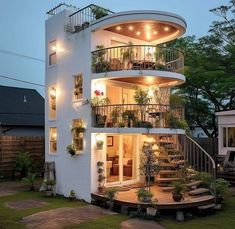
{"points": [[130, 27], [138, 33], [148, 36], [148, 27], [154, 32], [119, 28], [166, 28]]}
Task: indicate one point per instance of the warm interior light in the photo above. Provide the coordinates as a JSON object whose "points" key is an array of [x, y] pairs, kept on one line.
{"points": [[54, 135], [149, 80], [148, 27], [166, 28], [53, 92], [53, 48], [150, 92], [119, 28], [130, 27], [148, 36], [154, 32], [138, 33], [98, 138]]}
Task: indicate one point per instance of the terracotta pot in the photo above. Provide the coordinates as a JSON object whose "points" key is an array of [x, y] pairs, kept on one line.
{"points": [[177, 197]]}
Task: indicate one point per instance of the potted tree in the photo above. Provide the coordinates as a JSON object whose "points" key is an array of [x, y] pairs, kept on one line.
{"points": [[99, 12], [99, 64], [110, 194], [149, 166], [101, 177], [177, 193], [71, 149]]}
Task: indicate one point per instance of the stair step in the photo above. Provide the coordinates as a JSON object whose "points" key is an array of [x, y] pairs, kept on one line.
{"points": [[167, 189], [205, 207], [163, 164], [199, 191], [194, 183], [168, 179], [176, 156], [166, 172], [178, 162]]}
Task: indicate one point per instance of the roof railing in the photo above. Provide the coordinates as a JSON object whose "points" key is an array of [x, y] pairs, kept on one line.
{"points": [[60, 7], [83, 17]]}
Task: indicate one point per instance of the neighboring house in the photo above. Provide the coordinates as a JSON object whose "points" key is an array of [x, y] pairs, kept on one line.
{"points": [[94, 57], [226, 133], [21, 112]]}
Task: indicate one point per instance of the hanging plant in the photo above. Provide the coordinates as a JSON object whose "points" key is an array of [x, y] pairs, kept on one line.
{"points": [[71, 149]]}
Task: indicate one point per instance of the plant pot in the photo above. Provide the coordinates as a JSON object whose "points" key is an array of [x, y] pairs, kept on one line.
{"points": [[72, 198], [101, 189], [110, 204], [146, 199], [219, 199], [17, 175], [72, 153], [48, 193], [151, 211], [177, 197]]}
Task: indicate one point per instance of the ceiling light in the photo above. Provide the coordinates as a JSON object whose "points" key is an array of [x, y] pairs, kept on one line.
{"points": [[148, 36], [53, 48], [130, 27], [166, 28], [148, 27], [138, 33], [154, 32], [119, 28]]}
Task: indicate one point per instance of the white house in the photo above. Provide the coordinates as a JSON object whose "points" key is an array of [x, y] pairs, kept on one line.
{"points": [[226, 133], [99, 56]]}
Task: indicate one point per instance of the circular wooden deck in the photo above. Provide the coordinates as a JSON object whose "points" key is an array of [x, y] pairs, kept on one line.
{"points": [[165, 202]]}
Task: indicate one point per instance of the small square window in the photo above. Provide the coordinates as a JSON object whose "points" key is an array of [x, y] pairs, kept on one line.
{"points": [[78, 87], [52, 52], [52, 102], [78, 134]]}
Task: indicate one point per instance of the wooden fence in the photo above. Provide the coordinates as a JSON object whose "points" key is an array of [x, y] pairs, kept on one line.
{"points": [[10, 146], [210, 145]]}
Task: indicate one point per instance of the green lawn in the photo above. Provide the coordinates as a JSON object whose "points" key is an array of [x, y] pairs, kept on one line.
{"points": [[10, 218]]}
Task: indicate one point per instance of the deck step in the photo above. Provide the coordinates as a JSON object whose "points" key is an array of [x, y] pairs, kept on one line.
{"points": [[167, 189], [176, 156], [205, 207], [194, 183], [168, 172], [170, 165], [167, 179], [199, 191]]}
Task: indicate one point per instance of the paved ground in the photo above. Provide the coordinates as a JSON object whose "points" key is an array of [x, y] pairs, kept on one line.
{"points": [[140, 224], [26, 204], [58, 218], [10, 188]]}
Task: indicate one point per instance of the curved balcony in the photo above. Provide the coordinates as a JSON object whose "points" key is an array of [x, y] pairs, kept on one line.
{"points": [[137, 57], [136, 116]]}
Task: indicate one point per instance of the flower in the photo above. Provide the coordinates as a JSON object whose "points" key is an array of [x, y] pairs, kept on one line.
{"points": [[98, 93]]}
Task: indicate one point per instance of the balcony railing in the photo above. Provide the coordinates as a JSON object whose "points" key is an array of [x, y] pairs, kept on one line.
{"points": [[137, 57], [87, 15], [136, 116]]}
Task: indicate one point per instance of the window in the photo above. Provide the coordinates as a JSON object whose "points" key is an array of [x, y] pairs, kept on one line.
{"points": [[52, 52], [78, 87], [53, 139], [52, 102], [228, 137], [78, 134]]}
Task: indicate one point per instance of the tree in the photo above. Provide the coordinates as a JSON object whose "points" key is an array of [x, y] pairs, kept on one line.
{"points": [[148, 163], [210, 71]]}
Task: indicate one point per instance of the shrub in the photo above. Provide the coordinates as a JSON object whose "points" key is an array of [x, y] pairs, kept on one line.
{"points": [[221, 187], [110, 193], [144, 195], [179, 187], [23, 163], [30, 179], [205, 177]]}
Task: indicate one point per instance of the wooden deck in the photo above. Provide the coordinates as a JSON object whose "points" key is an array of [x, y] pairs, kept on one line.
{"points": [[165, 201]]}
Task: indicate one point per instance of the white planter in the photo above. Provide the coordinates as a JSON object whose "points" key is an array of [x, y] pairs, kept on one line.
{"points": [[151, 211]]}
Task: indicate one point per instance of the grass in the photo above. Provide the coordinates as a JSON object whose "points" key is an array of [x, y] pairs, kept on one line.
{"points": [[10, 218]]}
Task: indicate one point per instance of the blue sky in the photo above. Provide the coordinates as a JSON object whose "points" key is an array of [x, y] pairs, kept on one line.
{"points": [[22, 29]]}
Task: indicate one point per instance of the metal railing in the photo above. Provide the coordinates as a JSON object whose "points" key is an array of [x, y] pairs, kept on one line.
{"points": [[135, 115], [137, 57], [57, 9], [88, 14], [197, 157]]}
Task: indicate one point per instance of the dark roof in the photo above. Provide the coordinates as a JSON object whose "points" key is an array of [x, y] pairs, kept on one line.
{"points": [[21, 107]]}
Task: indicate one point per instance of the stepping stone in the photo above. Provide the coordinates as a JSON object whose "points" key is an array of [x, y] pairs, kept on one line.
{"points": [[199, 191], [140, 224], [26, 204]]}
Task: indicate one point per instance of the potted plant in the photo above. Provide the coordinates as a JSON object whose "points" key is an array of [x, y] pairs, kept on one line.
{"points": [[99, 64], [99, 144], [71, 149], [78, 129], [49, 185], [128, 54], [220, 187], [110, 194], [72, 195], [115, 114], [30, 179], [121, 125], [177, 193], [101, 177], [152, 211], [144, 195], [129, 117]]}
